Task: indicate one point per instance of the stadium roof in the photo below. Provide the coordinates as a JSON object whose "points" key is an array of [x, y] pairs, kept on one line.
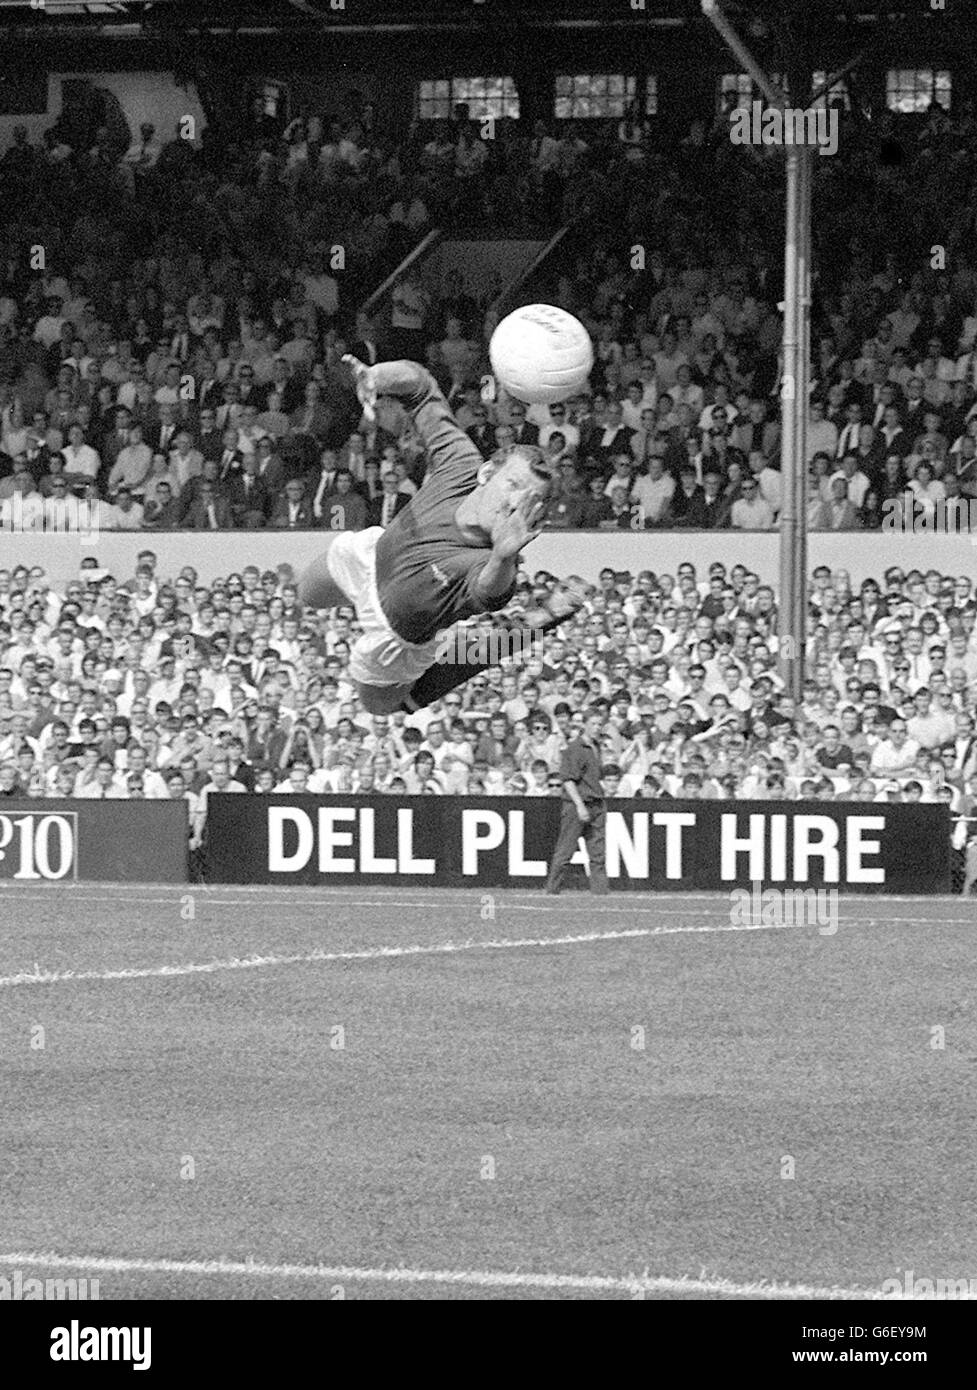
{"points": [[147, 17]]}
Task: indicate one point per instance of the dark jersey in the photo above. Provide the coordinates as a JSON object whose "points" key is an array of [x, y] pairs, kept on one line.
{"points": [[427, 571], [581, 765], [838, 758]]}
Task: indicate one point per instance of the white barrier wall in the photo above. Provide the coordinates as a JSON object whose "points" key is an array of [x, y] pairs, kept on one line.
{"points": [[562, 553]]}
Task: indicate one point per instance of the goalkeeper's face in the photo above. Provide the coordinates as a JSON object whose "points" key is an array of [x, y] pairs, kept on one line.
{"points": [[390, 415], [506, 489]]}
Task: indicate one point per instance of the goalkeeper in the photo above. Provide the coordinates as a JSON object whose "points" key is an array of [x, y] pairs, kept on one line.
{"points": [[449, 556]]}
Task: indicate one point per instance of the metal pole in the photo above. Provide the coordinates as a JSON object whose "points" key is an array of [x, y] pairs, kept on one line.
{"points": [[789, 440], [835, 77], [794, 413], [746, 60], [795, 397], [795, 387]]}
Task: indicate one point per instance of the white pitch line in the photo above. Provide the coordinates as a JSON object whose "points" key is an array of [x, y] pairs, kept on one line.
{"points": [[471, 1278], [319, 957], [256, 962]]}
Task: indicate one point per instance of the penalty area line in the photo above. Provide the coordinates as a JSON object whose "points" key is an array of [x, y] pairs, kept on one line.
{"points": [[632, 1285], [371, 953]]}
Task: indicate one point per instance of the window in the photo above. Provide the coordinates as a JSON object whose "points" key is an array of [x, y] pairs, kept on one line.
{"points": [[600, 94], [911, 90], [736, 90], [484, 96], [272, 95], [651, 95], [606, 95], [434, 101], [838, 91]]}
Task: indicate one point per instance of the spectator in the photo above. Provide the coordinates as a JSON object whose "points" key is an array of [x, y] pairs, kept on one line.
{"points": [[594, 509], [751, 512], [621, 515], [653, 493], [127, 514], [292, 510], [162, 511], [389, 504], [133, 464], [81, 461], [840, 514], [344, 509], [209, 510]]}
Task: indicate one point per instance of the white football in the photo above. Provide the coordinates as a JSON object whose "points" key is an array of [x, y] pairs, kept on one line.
{"points": [[541, 354]]}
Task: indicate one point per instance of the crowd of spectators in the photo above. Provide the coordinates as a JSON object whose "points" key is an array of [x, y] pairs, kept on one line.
{"points": [[158, 685], [170, 353]]}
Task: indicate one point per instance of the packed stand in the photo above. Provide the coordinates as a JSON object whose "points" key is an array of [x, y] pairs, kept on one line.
{"points": [[173, 359], [156, 685]]}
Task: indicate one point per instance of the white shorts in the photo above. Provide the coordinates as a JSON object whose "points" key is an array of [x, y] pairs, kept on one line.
{"points": [[378, 656]]}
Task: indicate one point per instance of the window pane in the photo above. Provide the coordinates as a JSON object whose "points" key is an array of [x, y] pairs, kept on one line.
{"points": [[729, 86], [911, 90], [434, 99], [592, 95], [651, 96], [484, 96]]}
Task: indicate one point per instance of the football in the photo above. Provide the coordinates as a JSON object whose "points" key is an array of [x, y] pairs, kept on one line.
{"points": [[541, 354]]}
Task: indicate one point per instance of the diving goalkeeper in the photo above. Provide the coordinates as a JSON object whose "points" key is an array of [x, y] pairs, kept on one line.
{"points": [[450, 555]]}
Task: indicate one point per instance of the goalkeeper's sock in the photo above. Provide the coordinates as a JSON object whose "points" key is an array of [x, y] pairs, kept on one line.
{"points": [[445, 676], [438, 680]]}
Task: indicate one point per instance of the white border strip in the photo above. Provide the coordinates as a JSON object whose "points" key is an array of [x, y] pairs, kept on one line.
{"points": [[630, 899], [632, 1285], [583, 905], [445, 948]]}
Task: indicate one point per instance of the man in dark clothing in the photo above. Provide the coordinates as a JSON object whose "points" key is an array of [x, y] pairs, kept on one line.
{"points": [[240, 770], [688, 504], [583, 810]]}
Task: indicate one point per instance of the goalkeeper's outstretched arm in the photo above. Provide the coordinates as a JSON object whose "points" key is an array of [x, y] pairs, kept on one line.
{"points": [[421, 396]]}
